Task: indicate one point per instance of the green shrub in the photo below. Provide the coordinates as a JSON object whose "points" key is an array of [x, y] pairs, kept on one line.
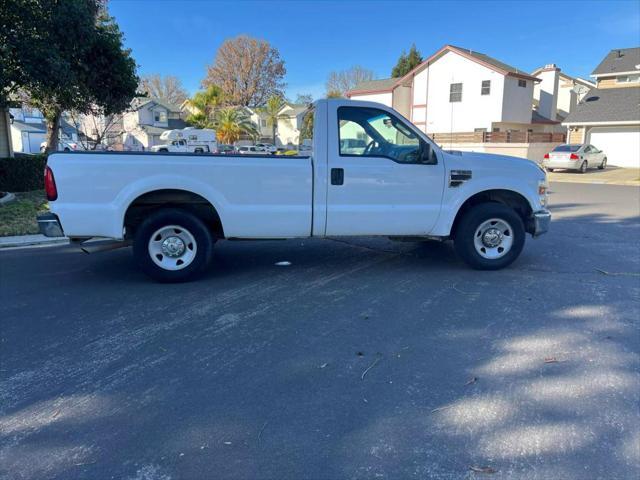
{"points": [[22, 173]]}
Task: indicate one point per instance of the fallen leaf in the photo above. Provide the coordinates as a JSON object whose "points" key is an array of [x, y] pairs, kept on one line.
{"points": [[550, 360], [324, 365], [473, 468], [283, 264]]}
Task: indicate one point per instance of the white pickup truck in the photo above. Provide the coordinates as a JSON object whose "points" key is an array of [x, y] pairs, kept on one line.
{"points": [[397, 183]]}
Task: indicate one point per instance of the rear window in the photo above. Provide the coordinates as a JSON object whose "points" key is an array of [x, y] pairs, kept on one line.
{"points": [[567, 148]]}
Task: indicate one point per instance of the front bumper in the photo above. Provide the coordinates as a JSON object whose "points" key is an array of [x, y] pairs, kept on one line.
{"points": [[539, 222], [49, 225]]}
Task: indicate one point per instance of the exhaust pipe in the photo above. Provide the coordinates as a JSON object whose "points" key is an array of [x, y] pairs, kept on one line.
{"points": [[104, 246]]}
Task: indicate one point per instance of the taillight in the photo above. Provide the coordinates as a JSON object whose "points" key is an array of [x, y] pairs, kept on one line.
{"points": [[50, 185], [573, 156], [546, 156]]}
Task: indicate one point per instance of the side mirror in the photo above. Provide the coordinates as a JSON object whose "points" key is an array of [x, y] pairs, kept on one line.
{"points": [[428, 156]]}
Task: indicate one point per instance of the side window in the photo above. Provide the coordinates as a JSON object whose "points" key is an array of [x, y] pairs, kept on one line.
{"points": [[587, 149], [522, 83], [370, 132], [486, 87]]}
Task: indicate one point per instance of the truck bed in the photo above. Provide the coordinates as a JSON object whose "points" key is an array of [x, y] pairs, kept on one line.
{"points": [[257, 196]]}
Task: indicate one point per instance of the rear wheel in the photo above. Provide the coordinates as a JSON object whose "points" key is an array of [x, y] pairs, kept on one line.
{"points": [[583, 167], [490, 236], [173, 245], [549, 169], [603, 165]]}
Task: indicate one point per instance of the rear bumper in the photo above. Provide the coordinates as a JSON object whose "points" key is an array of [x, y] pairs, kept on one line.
{"points": [[568, 164], [49, 225], [539, 222]]}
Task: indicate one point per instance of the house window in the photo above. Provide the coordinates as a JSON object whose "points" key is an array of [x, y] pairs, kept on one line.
{"points": [[263, 122], [522, 83], [479, 130], [628, 79], [486, 87], [455, 92], [160, 116]]}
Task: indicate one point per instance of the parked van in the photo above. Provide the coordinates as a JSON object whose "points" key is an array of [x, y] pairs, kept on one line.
{"points": [[188, 140]]}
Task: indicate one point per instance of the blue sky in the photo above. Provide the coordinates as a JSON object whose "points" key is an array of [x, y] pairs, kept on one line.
{"points": [[315, 37]]}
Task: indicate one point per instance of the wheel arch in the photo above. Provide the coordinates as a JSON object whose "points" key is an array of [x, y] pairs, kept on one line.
{"points": [[511, 198], [153, 200]]}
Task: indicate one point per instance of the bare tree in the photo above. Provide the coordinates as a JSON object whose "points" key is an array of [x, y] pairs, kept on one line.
{"points": [[96, 130], [249, 71], [304, 98], [339, 83], [167, 88]]}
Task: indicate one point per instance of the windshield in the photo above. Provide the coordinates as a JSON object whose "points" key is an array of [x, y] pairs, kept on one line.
{"points": [[567, 148]]}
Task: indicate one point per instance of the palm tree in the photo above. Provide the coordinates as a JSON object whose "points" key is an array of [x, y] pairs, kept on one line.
{"points": [[272, 112], [233, 122], [204, 104]]}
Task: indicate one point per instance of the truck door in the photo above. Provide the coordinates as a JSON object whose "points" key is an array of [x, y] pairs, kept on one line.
{"points": [[384, 177]]}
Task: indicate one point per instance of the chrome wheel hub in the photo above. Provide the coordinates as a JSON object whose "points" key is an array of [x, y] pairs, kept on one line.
{"points": [[493, 238], [173, 246]]}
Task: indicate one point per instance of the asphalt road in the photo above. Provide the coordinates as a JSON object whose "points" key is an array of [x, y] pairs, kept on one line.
{"points": [[361, 359]]}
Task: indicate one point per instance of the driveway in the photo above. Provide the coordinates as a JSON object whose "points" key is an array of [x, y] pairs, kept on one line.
{"points": [[359, 359]]}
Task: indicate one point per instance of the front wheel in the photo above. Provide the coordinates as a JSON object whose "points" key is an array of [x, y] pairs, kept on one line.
{"points": [[603, 165], [490, 236], [173, 245]]}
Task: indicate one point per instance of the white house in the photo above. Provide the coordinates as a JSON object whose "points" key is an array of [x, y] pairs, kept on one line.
{"points": [[146, 120], [289, 124], [608, 117], [29, 129], [460, 90]]}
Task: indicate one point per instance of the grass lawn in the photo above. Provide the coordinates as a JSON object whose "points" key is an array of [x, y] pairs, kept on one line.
{"points": [[19, 216]]}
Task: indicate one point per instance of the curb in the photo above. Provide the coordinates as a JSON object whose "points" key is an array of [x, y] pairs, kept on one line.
{"points": [[31, 240]]}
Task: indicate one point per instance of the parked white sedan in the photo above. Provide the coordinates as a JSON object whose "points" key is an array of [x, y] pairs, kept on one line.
{"points": [[575, 157]]}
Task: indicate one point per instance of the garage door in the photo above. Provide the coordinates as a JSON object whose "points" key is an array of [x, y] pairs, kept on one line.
{"points": [[620, 144]]}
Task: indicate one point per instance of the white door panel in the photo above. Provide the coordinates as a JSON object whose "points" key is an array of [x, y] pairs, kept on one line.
{"points": [[621, 145], [382, 197]]}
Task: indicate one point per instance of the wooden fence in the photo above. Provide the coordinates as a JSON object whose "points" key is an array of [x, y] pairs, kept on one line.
{"points": [[498, 137]]}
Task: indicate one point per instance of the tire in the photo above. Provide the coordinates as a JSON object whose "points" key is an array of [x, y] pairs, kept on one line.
{"points": [[469, 237], [583, 167], [603, 165], [549, 169], [172, 260], [163, 150]]}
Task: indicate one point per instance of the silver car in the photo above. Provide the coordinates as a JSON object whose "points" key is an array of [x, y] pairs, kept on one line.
{"points": [[575, 157]]}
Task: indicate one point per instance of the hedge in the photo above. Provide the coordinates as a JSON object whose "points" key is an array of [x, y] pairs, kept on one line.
{"points": [[22, 173]]}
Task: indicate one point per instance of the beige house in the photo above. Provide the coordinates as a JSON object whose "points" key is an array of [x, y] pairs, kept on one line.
{"points": [[557, 94], [608, 116]]}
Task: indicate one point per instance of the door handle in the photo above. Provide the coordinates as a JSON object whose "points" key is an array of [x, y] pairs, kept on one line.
{"points": [[337, 176]]}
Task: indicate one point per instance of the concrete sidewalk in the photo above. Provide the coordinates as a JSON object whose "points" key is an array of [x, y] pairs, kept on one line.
{"points": [[609, 176], [31, 240]]}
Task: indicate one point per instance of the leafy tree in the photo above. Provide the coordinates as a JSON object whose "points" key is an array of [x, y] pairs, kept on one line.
{"points": [[203, 106], [339, 83], [167, 88], [304, 98], [96, 131], [249, 71], [306, 130], [67, 55], [231, 123], [406, 63], [272, 112]]}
